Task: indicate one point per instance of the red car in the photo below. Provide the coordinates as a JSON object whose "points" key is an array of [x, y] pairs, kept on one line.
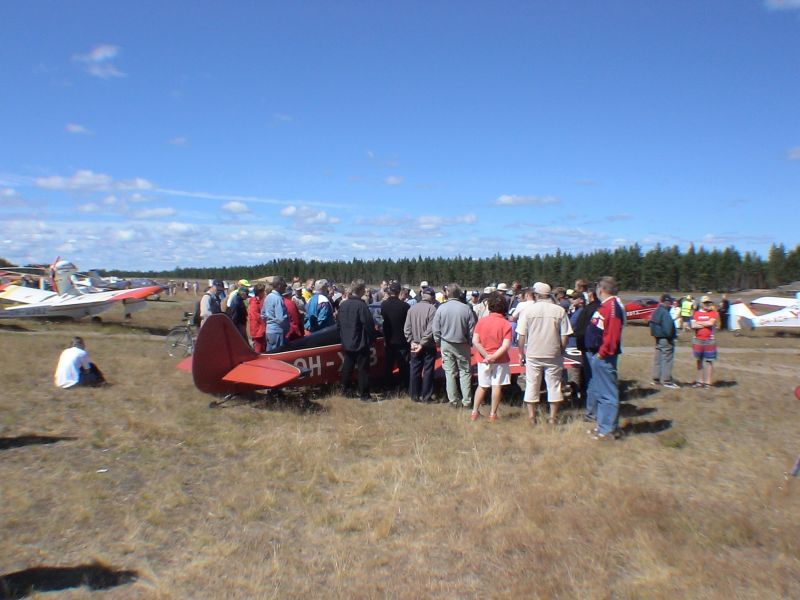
{"points": [[641, 309]]}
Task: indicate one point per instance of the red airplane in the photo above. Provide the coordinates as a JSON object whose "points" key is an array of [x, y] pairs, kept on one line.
{"points": [[224, 363], [641, 309]]}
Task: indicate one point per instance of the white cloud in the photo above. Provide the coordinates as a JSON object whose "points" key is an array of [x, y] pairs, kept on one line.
{"points": [[88, 181], [282, 117], [76, 129], [393, 180], [180, 228], [232, 197], [178, 141], [383, 220], [793, 153], [89, 207], [512, 200], [155, 213], [137, 197], [435, 222], [305, 216], [124, 235], [236, 208], [782, 4], [99, 61], [8, 193]]}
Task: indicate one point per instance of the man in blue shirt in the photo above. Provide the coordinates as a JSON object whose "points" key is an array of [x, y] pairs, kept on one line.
{"points": [[275, 315]]}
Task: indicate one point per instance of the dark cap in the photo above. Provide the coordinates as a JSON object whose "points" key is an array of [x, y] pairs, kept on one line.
{"points": [[219, 283], [666, 298], [394, 288], [429, 291]]}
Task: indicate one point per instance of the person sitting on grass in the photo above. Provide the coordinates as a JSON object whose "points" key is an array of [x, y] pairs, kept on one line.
{"points": [[491, 340], [74, 368]]}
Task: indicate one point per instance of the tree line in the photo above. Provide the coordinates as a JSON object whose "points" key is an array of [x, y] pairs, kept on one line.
{"points": [[659, 268]]}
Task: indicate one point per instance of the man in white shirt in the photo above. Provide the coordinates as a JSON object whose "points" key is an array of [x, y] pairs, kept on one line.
{"points": [[543, 330], [74, 368]]}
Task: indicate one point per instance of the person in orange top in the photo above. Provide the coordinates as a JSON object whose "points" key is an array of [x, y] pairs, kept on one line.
{"points": [[491, 341], [258, 329], [704, 346]]}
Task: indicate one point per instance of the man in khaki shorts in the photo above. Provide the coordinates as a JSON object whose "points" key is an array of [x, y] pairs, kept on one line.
{"points": [[543, 330]]}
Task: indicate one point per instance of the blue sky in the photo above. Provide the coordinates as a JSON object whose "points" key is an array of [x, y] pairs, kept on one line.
{"points": [[151, 135]]}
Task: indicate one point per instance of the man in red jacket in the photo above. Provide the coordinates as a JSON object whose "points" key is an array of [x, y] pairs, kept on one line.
{"points": [[258, 329], [602, 340]]}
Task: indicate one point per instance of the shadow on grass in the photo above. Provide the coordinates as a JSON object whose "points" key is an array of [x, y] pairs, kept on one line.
{"points": [[134, 327], [789, 334], [274, 401], [724, 384], [49, 579], [7, 443], [629, 389], [12, 327], [647, 427], [631, 410]]}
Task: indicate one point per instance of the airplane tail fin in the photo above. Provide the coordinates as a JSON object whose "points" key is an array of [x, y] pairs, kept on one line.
{"points": [[739, 311], [218, 350], [61, 273], [224, 363]]}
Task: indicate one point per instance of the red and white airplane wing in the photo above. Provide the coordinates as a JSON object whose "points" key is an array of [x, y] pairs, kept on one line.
{"points": [[77, 306]]}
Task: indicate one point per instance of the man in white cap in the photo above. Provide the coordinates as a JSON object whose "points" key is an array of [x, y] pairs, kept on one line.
{"points": [[542, 333]]}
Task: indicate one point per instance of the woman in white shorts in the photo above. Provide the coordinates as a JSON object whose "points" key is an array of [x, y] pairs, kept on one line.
{"points": [[491, 341]]}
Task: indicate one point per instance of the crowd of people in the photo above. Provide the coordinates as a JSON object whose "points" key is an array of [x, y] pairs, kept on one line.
{"points": [[419, 324]]}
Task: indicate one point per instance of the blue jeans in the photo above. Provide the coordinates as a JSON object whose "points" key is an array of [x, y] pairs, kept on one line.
{"points": [[275, 341], [603, 392]]}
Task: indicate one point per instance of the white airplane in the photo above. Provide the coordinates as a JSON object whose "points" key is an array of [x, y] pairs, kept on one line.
{"points": [[786, 316], [67, 299]]}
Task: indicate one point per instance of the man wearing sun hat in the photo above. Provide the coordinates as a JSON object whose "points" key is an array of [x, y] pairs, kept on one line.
{"points": [[704, 346], [542, 333]]}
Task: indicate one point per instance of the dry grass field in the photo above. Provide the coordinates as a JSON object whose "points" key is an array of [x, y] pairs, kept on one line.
{"points": [[394, 499]]}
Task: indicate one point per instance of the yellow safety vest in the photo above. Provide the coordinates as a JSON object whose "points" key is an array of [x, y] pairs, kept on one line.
{"points": [[686, 308]]}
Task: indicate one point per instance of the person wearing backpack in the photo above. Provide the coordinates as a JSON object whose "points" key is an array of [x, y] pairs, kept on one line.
{"points": [[662, 328]]}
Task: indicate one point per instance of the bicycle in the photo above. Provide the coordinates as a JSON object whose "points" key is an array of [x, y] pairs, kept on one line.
{"points": [[180, 339]]}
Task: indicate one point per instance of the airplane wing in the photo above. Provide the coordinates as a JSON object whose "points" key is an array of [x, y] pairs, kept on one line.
{"points": [[77, 306], [775, 301], [25, 295], [263, 373]]}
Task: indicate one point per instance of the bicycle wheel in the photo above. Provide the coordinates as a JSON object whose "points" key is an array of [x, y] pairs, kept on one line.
{"points": [[179, 342]]}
